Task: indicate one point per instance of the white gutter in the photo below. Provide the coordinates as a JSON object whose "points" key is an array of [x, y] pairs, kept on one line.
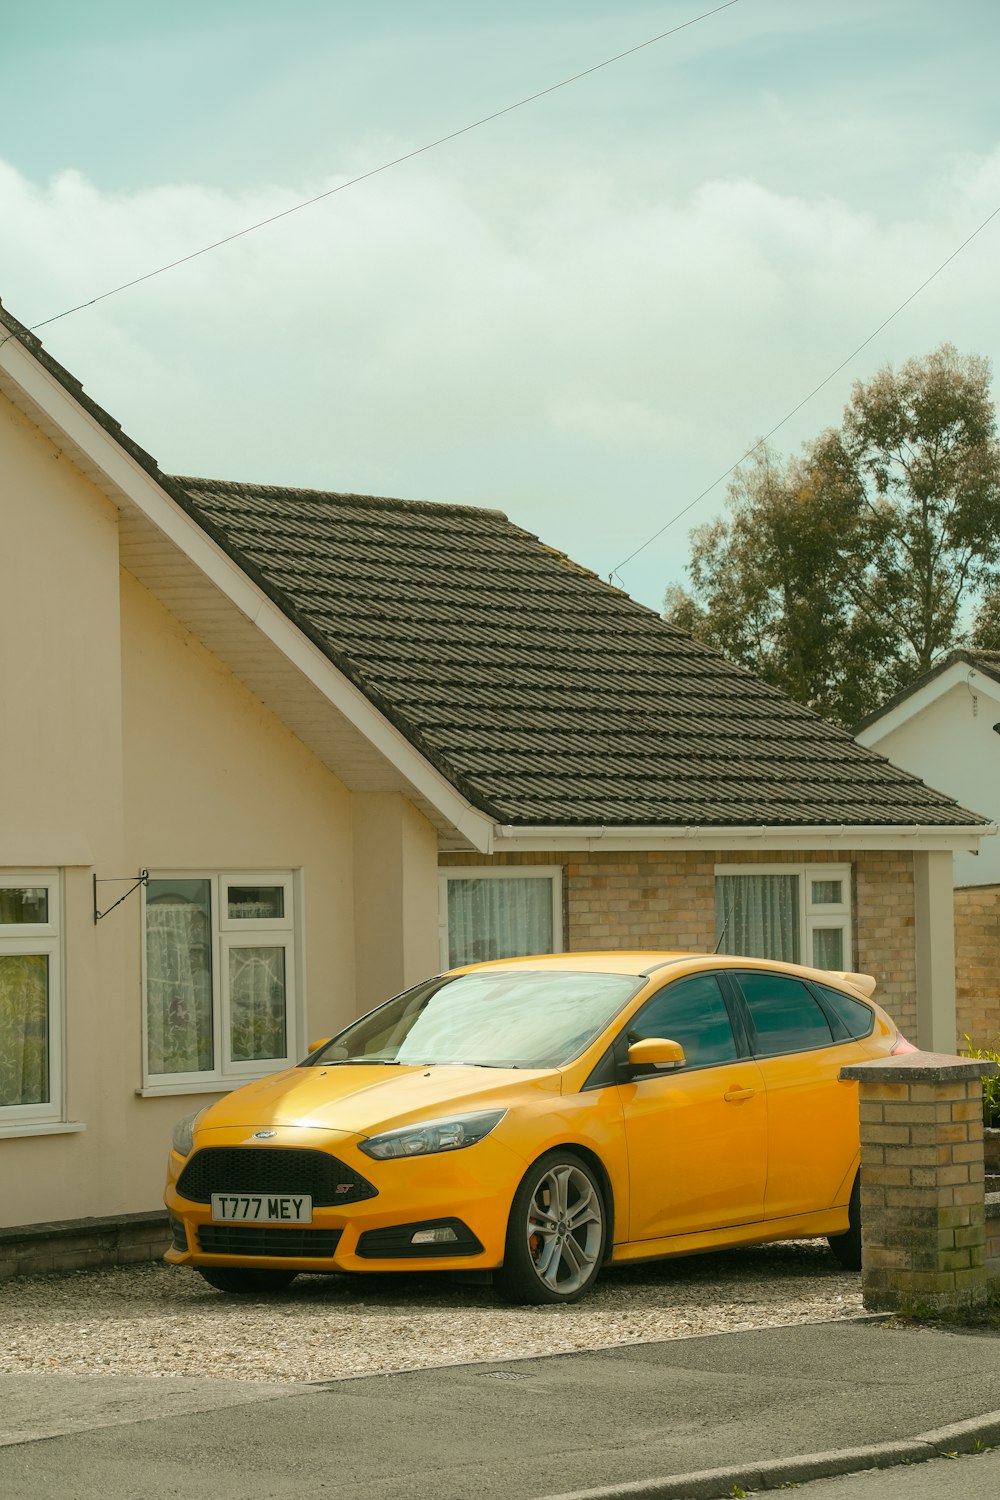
{"points": [[509, 838]]}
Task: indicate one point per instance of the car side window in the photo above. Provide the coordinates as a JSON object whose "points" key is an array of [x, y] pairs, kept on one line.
{"points": [[786, 1017], [856, 1017], [690, 1011]]}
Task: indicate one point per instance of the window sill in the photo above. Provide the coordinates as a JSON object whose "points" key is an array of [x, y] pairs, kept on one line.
{"points": [[8, 1128], [208, 1086]]}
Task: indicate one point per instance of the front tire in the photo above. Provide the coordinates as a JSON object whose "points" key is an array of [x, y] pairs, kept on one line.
{"points": [[555, 1234], [245, 1282], [847, 1247]]}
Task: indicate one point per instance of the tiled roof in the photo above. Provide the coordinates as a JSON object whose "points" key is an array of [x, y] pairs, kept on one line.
{"points": [[544, 694]]}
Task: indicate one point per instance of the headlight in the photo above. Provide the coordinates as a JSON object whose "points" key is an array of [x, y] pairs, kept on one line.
{"points": [[183, 1138], [432, 1135]]}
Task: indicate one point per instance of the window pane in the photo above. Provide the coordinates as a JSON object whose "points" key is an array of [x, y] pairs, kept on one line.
{"points": [[857, 1017], [22, 904], [828, 948], [692, 1012], [498, 919], [785, 1015], [257, 1004], [758, 916], [179, 976], [24, 1028], [827, 893], [253, 902]]}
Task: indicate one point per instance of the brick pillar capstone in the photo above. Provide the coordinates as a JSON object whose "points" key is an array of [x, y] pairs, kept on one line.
{"points": [[923, 1226]]}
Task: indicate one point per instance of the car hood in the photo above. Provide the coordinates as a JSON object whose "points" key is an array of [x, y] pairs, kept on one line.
{"points": [[362, 1100]]}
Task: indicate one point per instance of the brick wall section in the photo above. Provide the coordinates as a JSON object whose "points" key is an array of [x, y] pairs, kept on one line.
{"points": [[651, 899], [81, 1244], [977, 964], [923, 1219]]}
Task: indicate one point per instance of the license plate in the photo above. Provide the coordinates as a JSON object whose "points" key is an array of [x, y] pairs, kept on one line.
{"points": [[262, 1208]]}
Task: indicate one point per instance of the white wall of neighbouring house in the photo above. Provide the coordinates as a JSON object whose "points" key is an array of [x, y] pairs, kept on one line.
{"points": [[951, 744]]}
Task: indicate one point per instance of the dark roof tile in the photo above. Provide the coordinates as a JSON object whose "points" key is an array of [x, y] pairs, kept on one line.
{"points": [[548, 696]]}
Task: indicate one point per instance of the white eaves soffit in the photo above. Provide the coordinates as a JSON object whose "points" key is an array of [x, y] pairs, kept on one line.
{"points": [[201, 586], [959, 674], [829, 838]]}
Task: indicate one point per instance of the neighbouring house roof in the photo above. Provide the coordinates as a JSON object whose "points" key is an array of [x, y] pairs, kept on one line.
{"points": [[542, 694], [550, 696], [987, 662]]}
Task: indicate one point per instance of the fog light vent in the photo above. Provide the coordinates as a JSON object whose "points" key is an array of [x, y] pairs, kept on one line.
{"points": [[432, 1237], [442, 1235]]}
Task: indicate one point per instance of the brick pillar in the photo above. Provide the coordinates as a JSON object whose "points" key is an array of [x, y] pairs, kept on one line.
{"points": [[923, 1228]]}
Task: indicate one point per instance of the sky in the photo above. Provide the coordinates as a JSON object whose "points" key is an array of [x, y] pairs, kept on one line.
{"points": [[583, 312]]}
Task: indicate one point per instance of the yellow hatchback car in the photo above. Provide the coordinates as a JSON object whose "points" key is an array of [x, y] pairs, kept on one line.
{"points": [[540, 1117]]}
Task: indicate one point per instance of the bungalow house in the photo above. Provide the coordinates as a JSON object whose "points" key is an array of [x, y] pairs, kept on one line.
{"points": [[946, 727], [269, 756]]}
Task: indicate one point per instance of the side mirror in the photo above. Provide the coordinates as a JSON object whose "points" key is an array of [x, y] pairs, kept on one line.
{"points": [[315, 1046], [656, 1052]]}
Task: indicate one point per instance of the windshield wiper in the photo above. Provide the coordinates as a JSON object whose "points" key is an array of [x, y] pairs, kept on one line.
{"points": [[358, 1062]]}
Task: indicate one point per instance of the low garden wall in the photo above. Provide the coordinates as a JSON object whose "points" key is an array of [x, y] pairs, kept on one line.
{"points": [[79, 1244]]}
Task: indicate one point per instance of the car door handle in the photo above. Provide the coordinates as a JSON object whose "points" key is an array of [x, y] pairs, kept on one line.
{"points": [[733, 1096]]}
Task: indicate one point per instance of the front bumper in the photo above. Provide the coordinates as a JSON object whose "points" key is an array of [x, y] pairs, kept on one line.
{"points": [[471, 1189]]}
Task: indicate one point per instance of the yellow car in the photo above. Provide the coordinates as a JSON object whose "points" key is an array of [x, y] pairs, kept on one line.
{"points": [[539, 1117]]}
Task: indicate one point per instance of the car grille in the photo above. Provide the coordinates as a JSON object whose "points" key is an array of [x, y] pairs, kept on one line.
{"points": [[252, 1239], [272, 1169]]}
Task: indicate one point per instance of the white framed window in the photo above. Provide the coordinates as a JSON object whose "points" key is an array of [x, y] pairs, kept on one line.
{"points": [[31, 1020], [499, 911], [219, 976], [796, 913]]}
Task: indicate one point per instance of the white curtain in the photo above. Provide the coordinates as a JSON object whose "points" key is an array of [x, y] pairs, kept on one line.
{"points": [[257, 1004], [24, 1028], [178, 987], [498, 918], [828, 948], [758, 916]]}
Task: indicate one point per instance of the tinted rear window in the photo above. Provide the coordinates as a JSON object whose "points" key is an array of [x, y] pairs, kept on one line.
{"points": [[786, 1017], [857, 1018]]}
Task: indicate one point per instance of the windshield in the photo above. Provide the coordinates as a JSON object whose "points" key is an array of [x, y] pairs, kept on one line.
{"points": [[498, 1018]]}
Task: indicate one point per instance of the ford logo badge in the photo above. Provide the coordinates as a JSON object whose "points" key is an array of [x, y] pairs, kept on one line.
{"points": [[263, 1135]]}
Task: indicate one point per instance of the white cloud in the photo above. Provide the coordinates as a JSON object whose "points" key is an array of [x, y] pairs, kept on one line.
{"points": [[590, 358]]}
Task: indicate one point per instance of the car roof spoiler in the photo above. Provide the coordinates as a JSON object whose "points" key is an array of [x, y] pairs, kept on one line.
{"points": [[865, 983]]}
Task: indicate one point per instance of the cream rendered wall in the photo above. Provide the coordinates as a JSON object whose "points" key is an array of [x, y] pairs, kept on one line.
{"points": [[214, 781], [60, 788], [951, 744], [396, 891]]}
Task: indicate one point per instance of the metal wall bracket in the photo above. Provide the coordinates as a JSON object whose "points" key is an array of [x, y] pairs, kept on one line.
{"points": [[138, 880]]}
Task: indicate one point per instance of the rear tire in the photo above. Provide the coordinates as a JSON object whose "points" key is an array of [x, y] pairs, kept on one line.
{"points": [[236, 1279], [555, 1234], [847, 1247]]}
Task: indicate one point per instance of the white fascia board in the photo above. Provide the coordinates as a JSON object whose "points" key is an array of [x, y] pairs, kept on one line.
{"points": [[137, 487], [509, 839], [959, 674]]}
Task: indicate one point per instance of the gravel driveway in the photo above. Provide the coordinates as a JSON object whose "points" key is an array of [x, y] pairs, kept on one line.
{"points": [[155, 1319]]}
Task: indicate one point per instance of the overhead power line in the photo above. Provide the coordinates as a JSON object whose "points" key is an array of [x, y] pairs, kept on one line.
{"points": [[805, 399], [375, 171]]}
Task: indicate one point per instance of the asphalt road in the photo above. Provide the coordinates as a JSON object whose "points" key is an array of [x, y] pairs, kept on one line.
{"points": [[524, 1428]]}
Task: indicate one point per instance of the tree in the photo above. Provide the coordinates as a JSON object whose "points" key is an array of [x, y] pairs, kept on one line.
{"points": [[844, 574], [772, 587]]}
